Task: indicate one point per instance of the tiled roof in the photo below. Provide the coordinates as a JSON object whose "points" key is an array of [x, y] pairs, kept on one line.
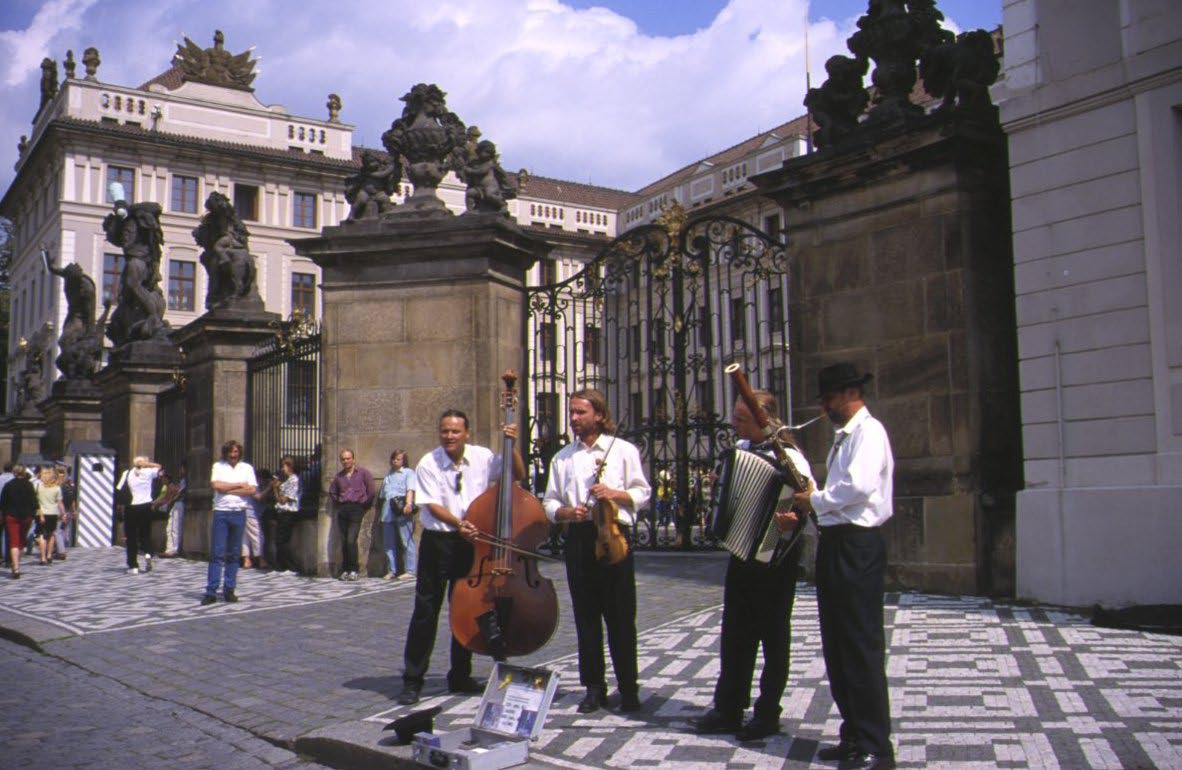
{"points": [[171, 79], [576, 194], [795, 127]]}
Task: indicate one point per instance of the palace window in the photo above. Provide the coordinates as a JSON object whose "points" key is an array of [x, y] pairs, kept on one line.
{"points": [[738, 320], [182, 284], [775, 309], [303, 294], [111, 271], [303, 210], [124, 176], [592, 350], [246, 202], [184, 194]]}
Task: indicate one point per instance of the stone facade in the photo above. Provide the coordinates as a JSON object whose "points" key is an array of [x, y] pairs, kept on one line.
{"points": [[901, 263], [1090, 102]]}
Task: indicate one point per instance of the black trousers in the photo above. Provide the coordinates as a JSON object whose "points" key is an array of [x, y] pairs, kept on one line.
{"points": [[602, 594], [757, 611], [137, 530], [444, 557], [284, 524], [851, 561], [349, 517]]}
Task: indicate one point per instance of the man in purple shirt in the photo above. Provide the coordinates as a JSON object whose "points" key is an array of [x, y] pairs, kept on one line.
{"points": [[351, 493]]}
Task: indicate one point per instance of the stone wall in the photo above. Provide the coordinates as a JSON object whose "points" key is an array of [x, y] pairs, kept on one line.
{"points": [[901, 263]]}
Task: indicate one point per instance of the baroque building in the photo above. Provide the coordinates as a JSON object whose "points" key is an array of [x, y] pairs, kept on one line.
{"points": [[178, 138]]}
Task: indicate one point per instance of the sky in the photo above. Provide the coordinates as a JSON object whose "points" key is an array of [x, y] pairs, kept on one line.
{"points": [[616, 93]]}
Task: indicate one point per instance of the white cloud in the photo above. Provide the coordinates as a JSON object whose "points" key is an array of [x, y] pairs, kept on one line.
{"points": [[580, 95]]}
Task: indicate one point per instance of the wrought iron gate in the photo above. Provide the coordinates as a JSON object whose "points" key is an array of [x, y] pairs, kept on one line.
{"points": [[283, 400], [651, 322], [172, 427]]}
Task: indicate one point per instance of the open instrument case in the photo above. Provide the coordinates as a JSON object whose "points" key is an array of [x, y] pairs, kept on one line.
{"points": [[511, 715]]}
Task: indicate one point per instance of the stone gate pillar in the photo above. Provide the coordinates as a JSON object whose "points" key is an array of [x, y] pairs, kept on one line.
{"points": [[901, 262], [134, 376], [73, 412], [421, 314], [216, 349]]}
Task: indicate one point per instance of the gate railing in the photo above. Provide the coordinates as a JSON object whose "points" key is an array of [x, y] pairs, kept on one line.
{"points": [[651, 322], [283, 402]]}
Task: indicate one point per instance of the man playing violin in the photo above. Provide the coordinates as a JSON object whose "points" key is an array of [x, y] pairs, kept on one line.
{"points": [[448, 479], [581, 474], [757, 610]]}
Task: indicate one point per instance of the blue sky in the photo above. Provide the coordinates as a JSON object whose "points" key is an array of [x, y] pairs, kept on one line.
{"points": [[612, 92]]}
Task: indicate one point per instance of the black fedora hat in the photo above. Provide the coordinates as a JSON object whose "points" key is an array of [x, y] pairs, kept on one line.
{"points": [[415, 722], [839, 377]]}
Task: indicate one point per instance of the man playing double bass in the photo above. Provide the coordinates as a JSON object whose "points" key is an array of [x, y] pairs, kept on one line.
{"points": [[448, 479], [599, 466]]}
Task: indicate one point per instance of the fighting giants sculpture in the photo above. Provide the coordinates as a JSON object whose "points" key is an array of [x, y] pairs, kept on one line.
{"points": [[226, 256], [135, 228], [81, 343]]}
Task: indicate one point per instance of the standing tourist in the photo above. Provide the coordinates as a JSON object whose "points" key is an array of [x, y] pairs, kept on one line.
{"points": [[601, 593], [65, 527], [448, 479], [175, 506], [50, 511], [351, 492], [18, 501], [757, 608], [851, 562], [137, 516], [252, 537], [398, 518], [234, 485], [5, 477], [286, 488]]}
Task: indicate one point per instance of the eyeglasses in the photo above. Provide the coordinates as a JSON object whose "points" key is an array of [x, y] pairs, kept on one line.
{"points": [[459, 481]]}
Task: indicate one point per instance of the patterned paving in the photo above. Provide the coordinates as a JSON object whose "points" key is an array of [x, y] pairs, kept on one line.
{"points": [[974, 684], [90, 592]]}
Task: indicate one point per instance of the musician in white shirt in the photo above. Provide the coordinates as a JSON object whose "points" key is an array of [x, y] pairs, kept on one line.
{"points": [[851, 563], [757, 609], [600, 593]]}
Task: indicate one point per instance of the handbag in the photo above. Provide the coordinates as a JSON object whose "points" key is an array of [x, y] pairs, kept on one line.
{"points": [[123, 491]]}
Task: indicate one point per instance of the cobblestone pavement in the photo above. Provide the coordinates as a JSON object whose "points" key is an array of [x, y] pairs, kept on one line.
{"points": [[132, 672]]}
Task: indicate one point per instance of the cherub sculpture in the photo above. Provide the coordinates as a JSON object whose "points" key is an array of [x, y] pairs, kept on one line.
{"points": [[369, 190], [489, 187], [226, 258]]}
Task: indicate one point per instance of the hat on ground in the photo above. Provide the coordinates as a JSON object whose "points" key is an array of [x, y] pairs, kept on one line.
{"points": [[415, 722], [839, 377]]}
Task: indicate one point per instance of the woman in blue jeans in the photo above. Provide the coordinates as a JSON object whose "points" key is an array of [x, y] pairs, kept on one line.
{"points": [[234, 484], [398, 518]]}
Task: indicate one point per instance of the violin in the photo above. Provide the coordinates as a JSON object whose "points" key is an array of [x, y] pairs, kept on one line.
{"points": [[504, 607], [611, 546]]}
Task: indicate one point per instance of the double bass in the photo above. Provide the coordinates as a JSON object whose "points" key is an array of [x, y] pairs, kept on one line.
{"points": [[504, 607]]}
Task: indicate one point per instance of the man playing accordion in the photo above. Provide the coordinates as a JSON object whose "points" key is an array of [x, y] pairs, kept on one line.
{"points": [[757, 609]]}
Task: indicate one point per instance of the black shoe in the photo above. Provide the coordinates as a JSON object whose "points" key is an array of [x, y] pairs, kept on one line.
{"points": [[208, 599], [230, 596], [468, 686], [841, 751], [757, 729], [629, 703], [409, 695], [593, 701], [714, 722], [868, 762]]}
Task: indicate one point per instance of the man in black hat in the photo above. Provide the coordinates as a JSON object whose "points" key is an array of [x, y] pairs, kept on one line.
{"points": [[851, 561]]}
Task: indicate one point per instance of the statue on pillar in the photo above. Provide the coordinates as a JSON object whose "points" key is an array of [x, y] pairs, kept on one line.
{"points": [[31, 390], [81, 342], [431, 139], [489, 187], [135, 228], [48, 83], [961, 72], [839, 102], [334, 108], [226, 256], [369, 190], [70, 65]]}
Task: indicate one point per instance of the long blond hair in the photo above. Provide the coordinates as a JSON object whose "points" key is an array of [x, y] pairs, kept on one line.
{"points": [[49, 477]]}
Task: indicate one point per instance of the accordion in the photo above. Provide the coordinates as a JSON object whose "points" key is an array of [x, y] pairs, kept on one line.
{"points": [[749, 488]]}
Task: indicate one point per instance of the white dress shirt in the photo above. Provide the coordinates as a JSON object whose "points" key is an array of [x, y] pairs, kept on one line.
{"points": [[239, 473], [859, 488], [435, 482], [573, 470]]}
